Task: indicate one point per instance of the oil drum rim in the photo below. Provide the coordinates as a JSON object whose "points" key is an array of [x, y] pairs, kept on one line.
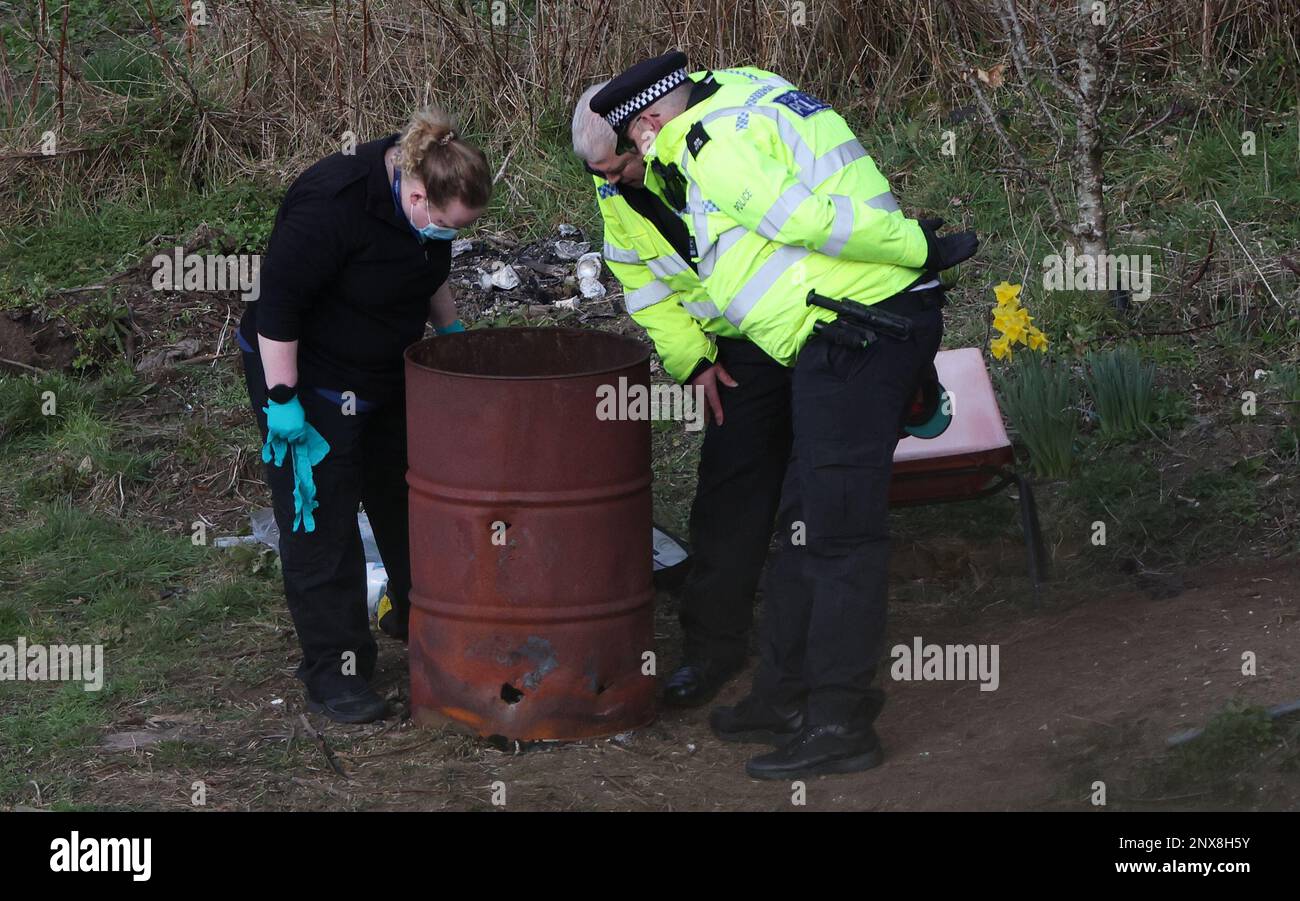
{"points": [[624, 339]]}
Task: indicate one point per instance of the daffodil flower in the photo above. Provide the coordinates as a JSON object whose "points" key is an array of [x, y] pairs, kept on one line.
{"points": [[1007, 294], [1014, 324]]}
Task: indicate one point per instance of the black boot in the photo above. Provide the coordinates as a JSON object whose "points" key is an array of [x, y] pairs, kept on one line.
{"points": [[754, 721], [348, 700], [695, 684], [820, 750]]}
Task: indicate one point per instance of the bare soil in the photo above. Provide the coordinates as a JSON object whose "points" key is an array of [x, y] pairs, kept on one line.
{"points": [[1091, 688]]}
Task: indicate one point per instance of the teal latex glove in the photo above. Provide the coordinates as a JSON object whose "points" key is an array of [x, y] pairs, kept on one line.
{"points": [[288, 431], [307, 452], [284, 425], [456, 326]]}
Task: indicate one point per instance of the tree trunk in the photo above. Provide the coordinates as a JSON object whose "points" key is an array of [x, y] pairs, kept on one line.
{"points": [[1090, 231]]}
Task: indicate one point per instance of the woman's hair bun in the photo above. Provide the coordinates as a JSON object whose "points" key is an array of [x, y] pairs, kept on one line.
{"points": [[433, 151], [430, 127]]}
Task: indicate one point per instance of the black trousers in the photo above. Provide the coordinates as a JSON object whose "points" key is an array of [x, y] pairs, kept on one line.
{"points": [[742, 464], [826, 592], [324, 570]]}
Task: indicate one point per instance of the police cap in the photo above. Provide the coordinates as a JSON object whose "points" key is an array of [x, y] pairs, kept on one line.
{"points": [[638, 87]]}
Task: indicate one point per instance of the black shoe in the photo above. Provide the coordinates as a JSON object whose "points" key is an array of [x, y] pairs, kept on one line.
{"points": [[356, 703], [755, 721], [820, 750], [695, 684], [393, 622]]}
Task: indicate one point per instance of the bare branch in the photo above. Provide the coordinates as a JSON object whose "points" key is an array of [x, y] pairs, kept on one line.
{"points": [[1020, 56], [991, 117], [1053, 73]]}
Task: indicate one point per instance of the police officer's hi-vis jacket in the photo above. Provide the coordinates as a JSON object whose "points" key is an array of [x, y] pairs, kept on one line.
{"points": [[779, 198], [661, 290]]}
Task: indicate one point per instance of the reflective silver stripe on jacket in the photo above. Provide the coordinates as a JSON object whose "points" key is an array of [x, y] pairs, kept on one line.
{"points": [[666, 265], [803, 155], [841, 228], [718, 248], [695, 206], [813, 170], [781, 210], [883, 201], [762, 281], [779, 213], [701, 309], [620, 254], [833, 161], [647, 295]]}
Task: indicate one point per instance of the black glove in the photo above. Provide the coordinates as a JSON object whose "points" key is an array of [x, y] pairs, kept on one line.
{"points": [[948, 251]]}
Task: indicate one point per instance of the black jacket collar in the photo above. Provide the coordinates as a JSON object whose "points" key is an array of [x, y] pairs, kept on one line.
{"points": [[703, 89], [379, 188]]}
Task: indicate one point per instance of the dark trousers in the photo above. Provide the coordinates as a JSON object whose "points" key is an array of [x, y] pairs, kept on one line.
{"points": [[742, 464], [324, 570], [826, 592]]}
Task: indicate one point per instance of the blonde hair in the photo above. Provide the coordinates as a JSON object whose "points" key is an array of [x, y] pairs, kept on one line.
{"points": [[449, 166]]}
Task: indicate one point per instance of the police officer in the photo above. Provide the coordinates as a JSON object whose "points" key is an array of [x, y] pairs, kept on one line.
{"points": [[779, 198], [747, 442], [356, 265]]}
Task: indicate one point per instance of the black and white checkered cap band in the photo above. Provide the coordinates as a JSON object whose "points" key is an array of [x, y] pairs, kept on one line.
{"points": [[619, 115]]}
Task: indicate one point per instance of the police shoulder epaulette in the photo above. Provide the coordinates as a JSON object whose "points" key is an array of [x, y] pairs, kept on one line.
{"points": [[696, 138]]}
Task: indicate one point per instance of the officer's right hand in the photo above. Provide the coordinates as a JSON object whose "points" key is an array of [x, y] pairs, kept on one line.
{"points": [[708, 380], [285, 425], [949, 250]]}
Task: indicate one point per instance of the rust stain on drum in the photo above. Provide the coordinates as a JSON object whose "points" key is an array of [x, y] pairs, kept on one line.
{"points": [[531, 599]]}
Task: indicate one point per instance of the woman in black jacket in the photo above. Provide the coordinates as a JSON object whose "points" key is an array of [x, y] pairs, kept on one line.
{"points": [[356, 265]]}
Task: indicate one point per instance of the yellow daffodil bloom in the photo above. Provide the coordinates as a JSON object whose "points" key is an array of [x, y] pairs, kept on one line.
{"points": [[1007, 294], [1014, 324]]}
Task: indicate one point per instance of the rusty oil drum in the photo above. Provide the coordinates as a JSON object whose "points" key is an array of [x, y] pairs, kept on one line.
{"points": [[531, 600]]}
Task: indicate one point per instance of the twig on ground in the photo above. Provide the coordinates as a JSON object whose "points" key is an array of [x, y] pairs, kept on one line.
{"points": [[320, 743]]}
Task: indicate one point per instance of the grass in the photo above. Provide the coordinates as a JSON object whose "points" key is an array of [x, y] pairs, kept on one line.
{"points": [[157, 604], [1039, 397], [1225, 760], [1122, 387]]}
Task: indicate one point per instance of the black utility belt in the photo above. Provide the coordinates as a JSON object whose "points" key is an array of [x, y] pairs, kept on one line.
{"points": [[913, 301], [858, 325]]}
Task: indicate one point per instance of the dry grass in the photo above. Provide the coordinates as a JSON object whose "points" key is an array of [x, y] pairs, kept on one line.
{"points": [[268, 85]]}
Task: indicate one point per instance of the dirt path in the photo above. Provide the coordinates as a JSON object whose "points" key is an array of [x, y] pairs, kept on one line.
{"points": [[1088, 690]]}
